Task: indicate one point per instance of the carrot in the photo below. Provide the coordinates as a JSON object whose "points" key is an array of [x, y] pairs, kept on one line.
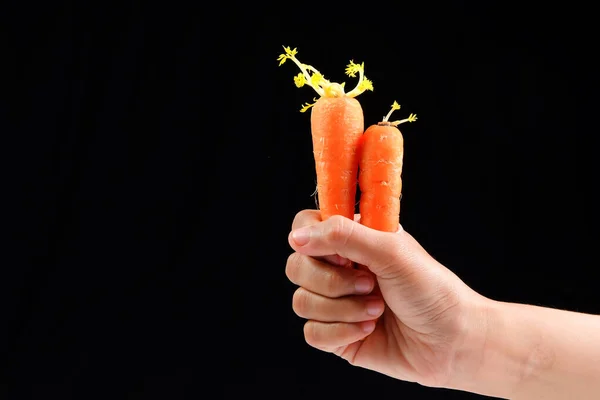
{"points": [[380, 176], [337, 124]]}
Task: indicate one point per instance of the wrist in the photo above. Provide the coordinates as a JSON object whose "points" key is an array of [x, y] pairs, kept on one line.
{"points": [[489, 361], [469, 354]]}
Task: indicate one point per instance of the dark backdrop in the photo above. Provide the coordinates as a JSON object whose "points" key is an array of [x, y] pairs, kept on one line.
{"points": [[155, 158]]}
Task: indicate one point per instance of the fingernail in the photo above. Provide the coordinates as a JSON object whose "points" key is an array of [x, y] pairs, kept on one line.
{"points": [[363, 284], [368, 326], [301, 236], [374, 307]]}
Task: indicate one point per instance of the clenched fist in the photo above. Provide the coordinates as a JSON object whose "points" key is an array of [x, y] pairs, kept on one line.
{"points": [[412, 327]]}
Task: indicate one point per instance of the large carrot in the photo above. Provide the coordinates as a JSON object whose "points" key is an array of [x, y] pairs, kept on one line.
{"points": [[337, 123], [380, 180]]}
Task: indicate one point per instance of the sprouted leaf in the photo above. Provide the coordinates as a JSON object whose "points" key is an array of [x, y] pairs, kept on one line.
{"points": [[299, 80], [310, 76], [306, 106], [396, 106]]}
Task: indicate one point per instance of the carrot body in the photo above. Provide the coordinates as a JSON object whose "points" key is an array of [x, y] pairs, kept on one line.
{"points": [[380, 181], [337, 124]]}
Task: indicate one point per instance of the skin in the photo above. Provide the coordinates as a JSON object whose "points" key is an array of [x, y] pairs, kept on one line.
{"points": [[430, 327]]}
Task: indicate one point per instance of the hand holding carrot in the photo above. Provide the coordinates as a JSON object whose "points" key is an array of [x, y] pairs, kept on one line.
{"points": [[401, 312], [431, 328], [419, 327]]}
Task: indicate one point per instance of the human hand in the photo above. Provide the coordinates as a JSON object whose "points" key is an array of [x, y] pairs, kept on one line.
{"points": [[419, 326]]}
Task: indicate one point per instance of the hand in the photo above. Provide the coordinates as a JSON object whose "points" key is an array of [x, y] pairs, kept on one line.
{"points": [[415, 330]]}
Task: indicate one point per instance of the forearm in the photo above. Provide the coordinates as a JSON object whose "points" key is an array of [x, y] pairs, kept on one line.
{"points": [[531, 352]]}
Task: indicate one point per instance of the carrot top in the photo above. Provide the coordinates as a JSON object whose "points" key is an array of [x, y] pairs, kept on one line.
{"points": [[310, 76], [396, 106]]}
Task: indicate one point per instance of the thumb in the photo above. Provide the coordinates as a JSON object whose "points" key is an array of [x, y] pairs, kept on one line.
{"points": [[382, 252]]}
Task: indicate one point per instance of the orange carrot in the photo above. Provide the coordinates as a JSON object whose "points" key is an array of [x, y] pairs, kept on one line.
{"points": [[380, 180], [337, 124]]}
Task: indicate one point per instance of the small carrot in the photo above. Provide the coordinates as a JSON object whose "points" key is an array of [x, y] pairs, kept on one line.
{"points": [[380, 180], [337, 124]]}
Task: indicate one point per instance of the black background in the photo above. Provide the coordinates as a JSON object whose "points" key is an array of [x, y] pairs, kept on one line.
{"points": [[155, 159]]}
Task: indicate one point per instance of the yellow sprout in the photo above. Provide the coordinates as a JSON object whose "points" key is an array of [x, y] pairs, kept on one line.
{"points": [[396, 106], [289, 54], [363, 83], [310, 76], [299, 80], [411, 118], [353, 68], [316, 79], [306, 106], [366, 84]]}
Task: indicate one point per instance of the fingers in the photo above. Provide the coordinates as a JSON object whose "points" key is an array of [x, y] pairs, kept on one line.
{"points": [[330, 336], [326, 279], [311, 217], [349, 239], [328, 295], [306, 218], [336, 260], [346, 309]]}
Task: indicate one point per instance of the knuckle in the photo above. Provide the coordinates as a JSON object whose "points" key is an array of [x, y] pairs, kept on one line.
{"points": [[293, 265], [300, 302], [338, 230], [305, 218], [333, 283]]}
